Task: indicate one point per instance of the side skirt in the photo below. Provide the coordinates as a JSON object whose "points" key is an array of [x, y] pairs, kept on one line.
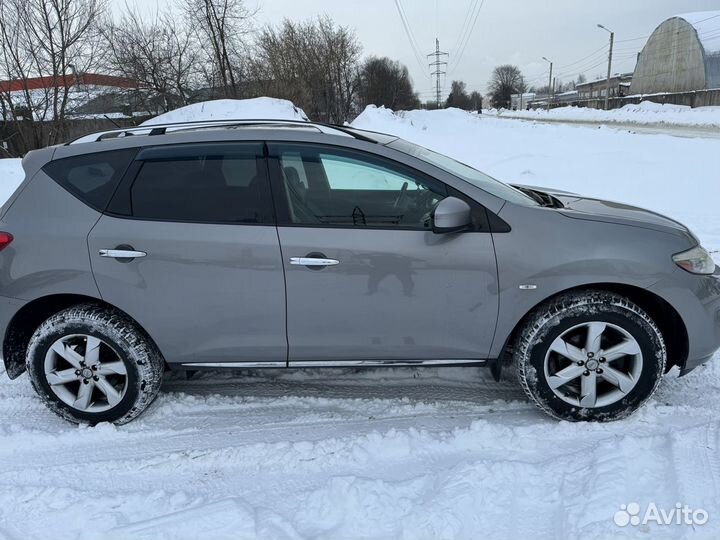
{"points": [[330, 364]]}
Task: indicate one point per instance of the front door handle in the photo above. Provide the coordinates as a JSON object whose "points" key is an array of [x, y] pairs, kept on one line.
{"points": [[313, 261]]}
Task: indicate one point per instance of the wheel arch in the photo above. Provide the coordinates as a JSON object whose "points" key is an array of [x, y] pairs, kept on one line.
{"points": [[671, 325], [28, 318]]}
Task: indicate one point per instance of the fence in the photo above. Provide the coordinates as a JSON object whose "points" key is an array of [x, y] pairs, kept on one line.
{"points": [[18, 138], [696, 98]]}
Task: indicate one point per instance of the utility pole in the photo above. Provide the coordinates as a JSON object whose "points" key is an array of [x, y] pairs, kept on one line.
{"points": [[550, 83], [437, 64], [607, 88]]}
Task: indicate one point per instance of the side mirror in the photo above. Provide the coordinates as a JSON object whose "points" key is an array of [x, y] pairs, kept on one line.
{"points": [[451, 215]]}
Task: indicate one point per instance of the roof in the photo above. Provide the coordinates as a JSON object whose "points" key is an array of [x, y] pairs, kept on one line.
{"points": [[94, 79], [178, 128], [620, 77], [707, 25]]}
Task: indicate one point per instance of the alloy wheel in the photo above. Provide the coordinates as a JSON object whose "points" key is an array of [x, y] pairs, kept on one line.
{"points": [[86, 373], [593, 364]]}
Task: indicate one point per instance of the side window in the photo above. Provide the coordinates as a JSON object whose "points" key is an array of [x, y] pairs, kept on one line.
{"points": [[335, 187], [203, 183], [92, 178]]}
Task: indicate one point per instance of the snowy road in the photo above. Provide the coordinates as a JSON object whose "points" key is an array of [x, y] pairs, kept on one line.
{"points": [[342, 454], [383, 454], [692, 132]]}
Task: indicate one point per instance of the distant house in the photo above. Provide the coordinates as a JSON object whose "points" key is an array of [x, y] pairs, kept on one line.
{"points": [[619, 86], [31, 97]]}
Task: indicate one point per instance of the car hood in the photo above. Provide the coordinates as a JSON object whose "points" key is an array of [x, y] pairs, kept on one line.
{"points": [[590, 208]]}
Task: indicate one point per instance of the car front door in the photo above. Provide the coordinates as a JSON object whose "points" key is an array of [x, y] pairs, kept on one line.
{"points": [[366, 277], [207, 280]]}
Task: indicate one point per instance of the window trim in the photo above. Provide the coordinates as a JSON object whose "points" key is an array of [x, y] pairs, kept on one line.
{"points": [[282, 210], [120, 205]]}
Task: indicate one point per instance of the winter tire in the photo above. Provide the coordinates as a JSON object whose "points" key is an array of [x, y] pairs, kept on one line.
{"points": [[92, 364], [589, 355]]}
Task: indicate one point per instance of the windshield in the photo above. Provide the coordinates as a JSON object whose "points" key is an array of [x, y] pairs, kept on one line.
{"points": [[467, 173]]}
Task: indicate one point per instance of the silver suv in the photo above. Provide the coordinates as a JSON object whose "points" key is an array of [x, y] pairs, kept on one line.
{"points": [[290, 244]]}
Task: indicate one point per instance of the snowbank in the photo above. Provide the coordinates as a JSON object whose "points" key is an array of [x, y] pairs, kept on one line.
{"points": [[11, 174], [646, 112], [262, 108]]}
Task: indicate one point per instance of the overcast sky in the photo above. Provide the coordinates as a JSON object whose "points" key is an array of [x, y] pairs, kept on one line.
{"points": [[520, 32]]}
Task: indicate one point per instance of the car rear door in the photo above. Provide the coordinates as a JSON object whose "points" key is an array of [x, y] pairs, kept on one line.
{"points": [[366, 277], [189, 248]]}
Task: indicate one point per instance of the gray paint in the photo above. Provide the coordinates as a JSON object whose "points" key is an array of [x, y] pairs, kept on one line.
{"points": [[205, 293], [49, 253], [395, 294], [216, 294]]}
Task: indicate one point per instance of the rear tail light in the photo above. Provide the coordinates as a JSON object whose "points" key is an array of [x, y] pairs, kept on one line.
{"points": [[5, 239]]}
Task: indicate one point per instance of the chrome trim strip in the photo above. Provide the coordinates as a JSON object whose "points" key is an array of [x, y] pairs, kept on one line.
{"points": [[235, 364], [384, 363], [338, 363]]}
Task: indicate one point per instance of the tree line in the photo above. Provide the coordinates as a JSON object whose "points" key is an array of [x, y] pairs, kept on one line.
{"points": [[203, 49]]}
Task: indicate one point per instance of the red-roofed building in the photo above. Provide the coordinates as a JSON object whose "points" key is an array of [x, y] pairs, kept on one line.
{"points": [[68, 81]]}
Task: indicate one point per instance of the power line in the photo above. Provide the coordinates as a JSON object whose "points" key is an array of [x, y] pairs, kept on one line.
{"points": [[463, 28], [693, 25], [584, 70], [467, 37], [602, 49], [582, 66], [411, 37]]}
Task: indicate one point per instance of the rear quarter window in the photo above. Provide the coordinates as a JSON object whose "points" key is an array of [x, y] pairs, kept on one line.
{"points": [[92, 178]]}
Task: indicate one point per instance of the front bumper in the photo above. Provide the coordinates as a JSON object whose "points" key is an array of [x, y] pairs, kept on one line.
{"points": [[697, 300]]}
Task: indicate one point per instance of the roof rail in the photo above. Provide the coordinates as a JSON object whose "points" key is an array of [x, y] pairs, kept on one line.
{"points": [[161, 129]]}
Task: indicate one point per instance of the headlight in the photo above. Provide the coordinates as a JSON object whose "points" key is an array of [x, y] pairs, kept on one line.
{"points": [[696, 261]]}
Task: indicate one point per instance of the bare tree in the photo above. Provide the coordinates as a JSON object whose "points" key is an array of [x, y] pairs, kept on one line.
{"points": [[314, 64], [56, 40], [221, 26], [161, 55], [386, 82], [506, 80]]}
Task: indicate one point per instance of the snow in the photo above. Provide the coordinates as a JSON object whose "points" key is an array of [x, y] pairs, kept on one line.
{"points": [[646, 112], [262, 108], [707, 25], [392, 453], [11, 174]]}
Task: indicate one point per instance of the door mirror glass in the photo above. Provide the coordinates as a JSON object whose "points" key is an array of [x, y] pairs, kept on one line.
{"points": [[452, 215]]}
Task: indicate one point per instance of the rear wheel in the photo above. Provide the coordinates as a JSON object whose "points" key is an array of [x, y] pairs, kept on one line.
{"points": [[589, 355], [91, 364]]}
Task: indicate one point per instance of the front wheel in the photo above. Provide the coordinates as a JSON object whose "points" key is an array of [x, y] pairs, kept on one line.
{"points": [[92, 364], [589, 355]]}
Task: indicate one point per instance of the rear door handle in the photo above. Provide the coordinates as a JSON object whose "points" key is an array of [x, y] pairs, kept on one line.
{"points": [[313, 261], [122, 253]]}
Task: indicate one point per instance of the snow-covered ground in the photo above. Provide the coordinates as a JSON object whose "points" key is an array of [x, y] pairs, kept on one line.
{"points": [[384, 454], [646, 113]]}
